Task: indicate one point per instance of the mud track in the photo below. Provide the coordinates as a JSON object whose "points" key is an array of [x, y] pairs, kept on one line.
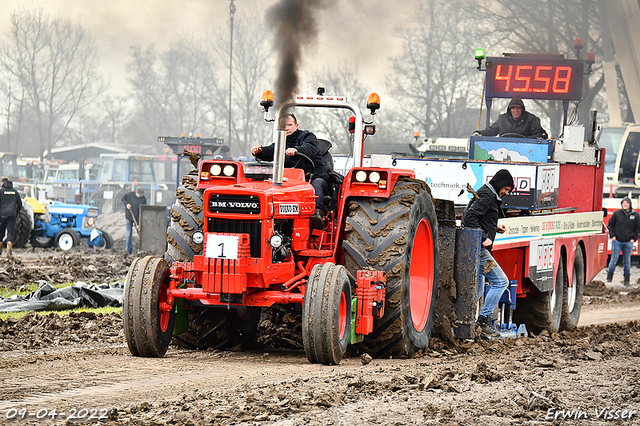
{"points": [[82, 362]]}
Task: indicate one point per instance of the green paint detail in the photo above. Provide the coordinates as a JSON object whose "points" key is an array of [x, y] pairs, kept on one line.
{"points": [[181, 317], [353, 337], [481, 154], [581, 232]]}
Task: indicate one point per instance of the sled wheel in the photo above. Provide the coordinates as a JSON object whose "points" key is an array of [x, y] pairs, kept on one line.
{"points": [[67, 239], [326, 314], [543, 310], [219, 328], [399, 236], [186, 218], [147, 318], [572, 298]]}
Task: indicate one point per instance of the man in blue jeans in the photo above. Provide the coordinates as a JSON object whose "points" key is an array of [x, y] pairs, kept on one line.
{"points": [[624, 227], [483, 212], [132, 202]]}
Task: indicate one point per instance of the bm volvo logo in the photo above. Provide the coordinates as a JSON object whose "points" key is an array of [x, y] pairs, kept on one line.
{"points": [[234, 204], [289, 209]]}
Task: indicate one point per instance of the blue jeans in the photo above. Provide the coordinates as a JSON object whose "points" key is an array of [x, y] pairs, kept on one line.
{"points": [[498, 279], [616, 247], [129, 236], [322, 188]]}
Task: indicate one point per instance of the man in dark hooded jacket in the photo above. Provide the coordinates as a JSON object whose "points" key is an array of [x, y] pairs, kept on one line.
{"points": [[516, 120], [305, 143], [624, 228], [483, 212], [10, 205]]}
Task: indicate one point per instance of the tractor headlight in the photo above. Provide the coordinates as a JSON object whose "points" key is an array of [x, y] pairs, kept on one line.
{"points": [[216, 170], [275, 241], [374, 177], [228, 170], [197, 237], [361, 176]]}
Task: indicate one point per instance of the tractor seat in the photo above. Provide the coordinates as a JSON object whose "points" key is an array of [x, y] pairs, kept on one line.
{"points": [[324, 146]]}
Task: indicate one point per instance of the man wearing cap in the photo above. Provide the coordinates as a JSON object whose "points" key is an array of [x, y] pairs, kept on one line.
{"points": [[624, 228], [10, 205], [516, 120], [483, 212], [132, 202]]}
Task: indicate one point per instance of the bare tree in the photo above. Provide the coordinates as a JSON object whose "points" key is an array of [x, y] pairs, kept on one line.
{"points": [[55, 63], [176, 91], [434, 78]]}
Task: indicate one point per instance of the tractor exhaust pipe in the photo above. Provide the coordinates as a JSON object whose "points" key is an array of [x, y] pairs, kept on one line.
{"points": [[279, 141]]}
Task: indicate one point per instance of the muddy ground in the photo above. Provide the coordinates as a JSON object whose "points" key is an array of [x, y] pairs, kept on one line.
{"points": [[80, 366]]}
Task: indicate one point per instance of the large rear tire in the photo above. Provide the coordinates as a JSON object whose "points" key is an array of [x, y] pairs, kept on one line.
{"points": [[326, 314], [148, 322], [186, 218], [399, 236], [572, 296], [544, 310], [24, 225]]}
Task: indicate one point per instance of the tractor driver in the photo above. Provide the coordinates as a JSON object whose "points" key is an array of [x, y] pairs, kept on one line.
{"points": [[304, 142], [516, 120]]}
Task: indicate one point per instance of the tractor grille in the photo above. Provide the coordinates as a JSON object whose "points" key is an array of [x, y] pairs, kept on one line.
{"points": [[234, 226]]}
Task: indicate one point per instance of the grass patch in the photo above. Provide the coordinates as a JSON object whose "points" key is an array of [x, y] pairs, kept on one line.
{"points": [[27, 288], [105, 310]]}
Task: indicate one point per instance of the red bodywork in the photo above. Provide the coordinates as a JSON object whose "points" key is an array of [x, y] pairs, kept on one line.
{"points": [[255, 277], [580, 190]]}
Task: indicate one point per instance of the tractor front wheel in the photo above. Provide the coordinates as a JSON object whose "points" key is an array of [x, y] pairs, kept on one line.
{"points": [[399, 236], [326, 314], [148, 319], [67, 239]]}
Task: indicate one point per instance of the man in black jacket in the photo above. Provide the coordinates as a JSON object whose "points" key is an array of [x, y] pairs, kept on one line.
{"points": [[624, 228], [483, 212], [516, 120], [303, 142], [10, 205], [132, 202]]}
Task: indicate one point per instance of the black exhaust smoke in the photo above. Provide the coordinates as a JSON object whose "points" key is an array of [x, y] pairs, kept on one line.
{"points": [[294, 22]]}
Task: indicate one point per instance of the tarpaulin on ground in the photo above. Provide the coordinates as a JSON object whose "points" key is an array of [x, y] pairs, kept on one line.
{"points": [[49, 298]]}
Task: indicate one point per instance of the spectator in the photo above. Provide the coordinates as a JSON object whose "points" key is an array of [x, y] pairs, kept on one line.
{"points": [[624, 228], [10, 205]]}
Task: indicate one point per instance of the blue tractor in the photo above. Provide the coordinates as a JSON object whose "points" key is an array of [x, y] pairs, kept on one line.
{"points": [[62, 225]]}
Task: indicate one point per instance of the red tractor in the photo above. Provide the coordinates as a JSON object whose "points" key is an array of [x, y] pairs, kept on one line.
{"points": [[240, 240]]}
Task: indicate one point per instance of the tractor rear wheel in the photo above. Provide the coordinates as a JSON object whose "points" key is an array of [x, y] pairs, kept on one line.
{"points": [[106, 243], [186, 218], [326, 314], [543, 310], [399, 236], [43, 242], [147, 319], [572, 296], [23, 227], [67, 239]]}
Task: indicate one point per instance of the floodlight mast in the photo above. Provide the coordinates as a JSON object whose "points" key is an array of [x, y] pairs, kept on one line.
{"points": [[316, 101]]}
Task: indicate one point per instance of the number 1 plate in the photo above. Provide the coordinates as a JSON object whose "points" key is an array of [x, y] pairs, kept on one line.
{"points": [[222, 246]]}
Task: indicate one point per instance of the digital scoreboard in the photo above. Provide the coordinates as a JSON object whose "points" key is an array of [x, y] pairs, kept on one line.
{"points": [[534, 77]]}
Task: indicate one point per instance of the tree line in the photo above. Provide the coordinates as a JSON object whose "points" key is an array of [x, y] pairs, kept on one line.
{"points": [[53, 93]]}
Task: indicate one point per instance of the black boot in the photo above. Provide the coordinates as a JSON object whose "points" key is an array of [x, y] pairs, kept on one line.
{"points": [[487, 327], [626, 282], [317, 220], [609, 276]]}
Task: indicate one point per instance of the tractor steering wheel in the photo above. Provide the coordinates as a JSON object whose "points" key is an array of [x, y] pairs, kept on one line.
{"points": [[307, 175], [512, 134]]}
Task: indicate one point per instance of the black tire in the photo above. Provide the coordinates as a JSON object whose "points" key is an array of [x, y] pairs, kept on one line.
{"points": [[107, 241], [67, 239], [572, 297], [186, 218], [326, 314], [24, 225], [543, 311], [380, 234], [148, 330], [219, 328], [42, 242]]}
